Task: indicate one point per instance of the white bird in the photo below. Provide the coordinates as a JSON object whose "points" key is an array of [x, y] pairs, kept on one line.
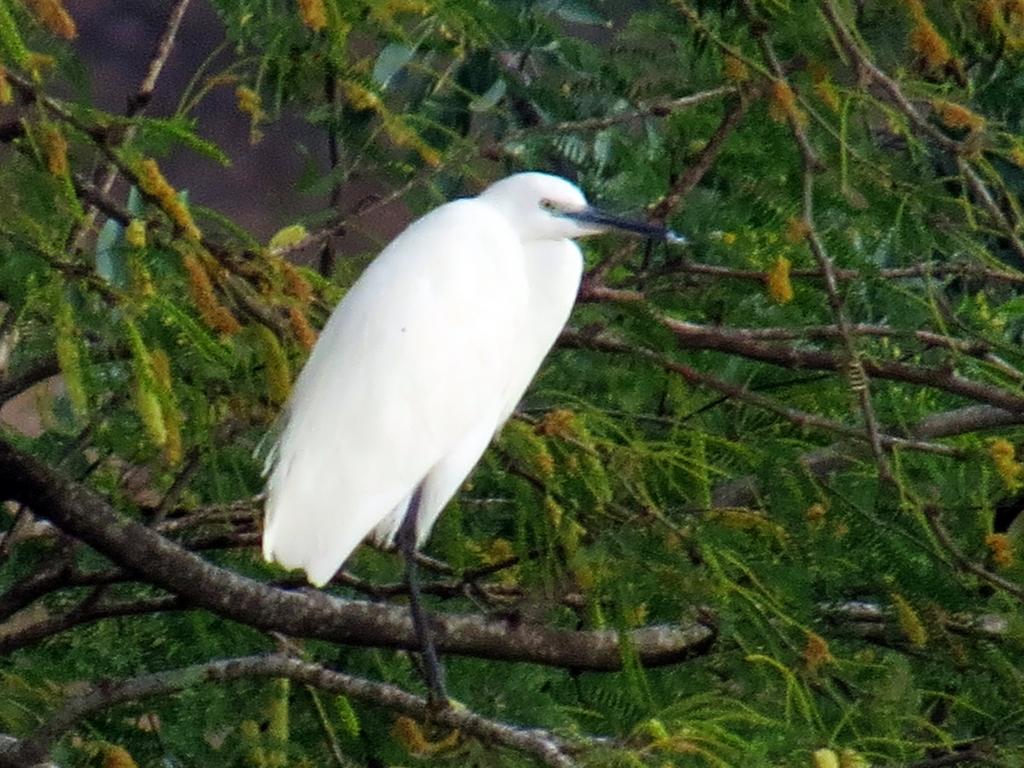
{"points": [[420, 364]]}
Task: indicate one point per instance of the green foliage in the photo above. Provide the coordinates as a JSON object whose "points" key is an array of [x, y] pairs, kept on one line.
{"points": [[662, 470]]}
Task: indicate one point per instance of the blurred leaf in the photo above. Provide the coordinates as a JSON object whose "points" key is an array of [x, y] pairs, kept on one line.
{"points": [[390, 61], [489, 98]]}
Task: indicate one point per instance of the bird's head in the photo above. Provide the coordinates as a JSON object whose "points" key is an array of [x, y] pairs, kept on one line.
{"points": [[545, 207]]}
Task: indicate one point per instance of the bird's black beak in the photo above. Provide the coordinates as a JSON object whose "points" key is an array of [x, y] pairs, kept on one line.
{"points": [[602, 220]]}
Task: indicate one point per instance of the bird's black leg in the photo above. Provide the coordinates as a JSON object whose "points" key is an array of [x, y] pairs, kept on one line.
{"points": [[432, 670]]}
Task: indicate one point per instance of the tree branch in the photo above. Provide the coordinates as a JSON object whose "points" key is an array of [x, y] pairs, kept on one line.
{"points": [[542, 745], [858, 379], [689, 179], [81, 512], [741, 394], [931, 514], [744, 491]]}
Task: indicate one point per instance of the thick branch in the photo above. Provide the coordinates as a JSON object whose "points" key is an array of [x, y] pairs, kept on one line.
{"points": [[729, 341], [694, 336], [81, 512], [541, 745], [875, 621], [84, 613]]}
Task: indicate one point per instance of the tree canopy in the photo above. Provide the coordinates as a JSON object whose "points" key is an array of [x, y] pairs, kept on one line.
{"points": [[759, 508]]}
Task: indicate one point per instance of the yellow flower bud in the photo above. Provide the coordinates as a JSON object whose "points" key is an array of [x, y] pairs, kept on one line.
{"points": [[779, 286]]}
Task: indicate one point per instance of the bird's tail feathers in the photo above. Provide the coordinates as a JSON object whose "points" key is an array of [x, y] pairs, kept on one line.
{"points": [[308, 531]]}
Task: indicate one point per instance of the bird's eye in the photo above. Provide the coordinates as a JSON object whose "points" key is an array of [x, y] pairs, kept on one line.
{"points": [[547, 205]]}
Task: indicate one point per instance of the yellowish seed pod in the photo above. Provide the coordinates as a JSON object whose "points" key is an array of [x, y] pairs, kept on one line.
{"points": [[987, 13], [277, 710], [117, 757], [6, 92], [782, 105], [528, 448], [275, 363], [555, 512], [313, 14], [734, 69], [52, 15], [824, 758], [161, 366], [248, 101], [294, 283], [69, 355], [910, 622], [780, 288], [850, 758], [1003, 455], [301, 328], [429, 155], [141, 281], [925, 39], [816, 652], [147, 405], [359, 97], [249, 732], [39, 64], [560, 422], [1001, 548], [408, 733], [653, 731], [824, 88], [213, 313], [173, 446], [287, 237], [146, 389], [957, 116], [55, 147], [135, 233], [636, 616], [152, 183]]}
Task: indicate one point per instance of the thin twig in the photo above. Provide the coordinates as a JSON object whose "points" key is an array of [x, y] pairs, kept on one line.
{"points": [[931, 515], [137, 104], [658, 109], [690, 178]]}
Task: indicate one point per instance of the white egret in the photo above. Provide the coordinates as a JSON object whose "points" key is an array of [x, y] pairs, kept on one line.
{"points": [[419, 365]]}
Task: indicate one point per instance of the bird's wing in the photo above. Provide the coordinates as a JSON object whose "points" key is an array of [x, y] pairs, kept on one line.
{"points": [[414, 357]]}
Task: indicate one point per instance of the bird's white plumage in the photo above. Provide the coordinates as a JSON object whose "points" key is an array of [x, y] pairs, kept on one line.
{"points": [[419, 365]]}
